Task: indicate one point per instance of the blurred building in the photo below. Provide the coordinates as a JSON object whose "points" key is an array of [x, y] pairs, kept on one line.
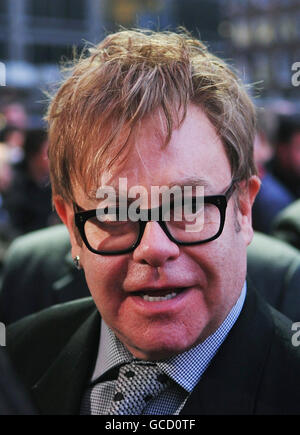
{"points": [[263, 37], [36, 35], [260, 37]]}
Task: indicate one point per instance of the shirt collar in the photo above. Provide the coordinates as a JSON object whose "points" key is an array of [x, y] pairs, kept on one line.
{"points": [[186, 368]]}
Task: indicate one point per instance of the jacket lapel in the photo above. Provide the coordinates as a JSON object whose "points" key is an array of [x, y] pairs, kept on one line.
{"points": [[231, 383], [61, 388]]}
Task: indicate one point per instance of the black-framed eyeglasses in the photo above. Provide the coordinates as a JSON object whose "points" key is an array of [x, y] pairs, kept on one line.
{"points": [[202, 221]]}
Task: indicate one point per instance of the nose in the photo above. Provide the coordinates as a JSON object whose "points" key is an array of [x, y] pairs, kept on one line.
{"points": [[155, 247]]}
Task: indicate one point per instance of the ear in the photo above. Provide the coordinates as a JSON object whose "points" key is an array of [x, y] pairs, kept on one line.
{"points": [[247, 195], [66, 213]]}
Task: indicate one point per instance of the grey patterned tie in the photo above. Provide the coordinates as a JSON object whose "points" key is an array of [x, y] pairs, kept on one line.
{"points": [[136, 385]]}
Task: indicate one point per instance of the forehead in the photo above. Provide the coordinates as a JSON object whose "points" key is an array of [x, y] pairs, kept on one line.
{"points": [[194, 155], [194, 151]]}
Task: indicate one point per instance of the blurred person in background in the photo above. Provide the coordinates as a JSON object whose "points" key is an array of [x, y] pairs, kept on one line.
{"points": [[285, 165], [286, 226], [11, 140], [273, 196], [15, 114], [13, 124], [5, 180], [13, 137], [5, 168], [28, 200]]}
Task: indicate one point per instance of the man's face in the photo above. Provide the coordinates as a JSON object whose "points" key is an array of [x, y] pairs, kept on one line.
{"points": [[207, 278]]}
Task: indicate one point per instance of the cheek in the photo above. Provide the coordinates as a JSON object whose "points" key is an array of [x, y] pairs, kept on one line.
{"points": [[224, 262], [104, 277], [210, 260]]}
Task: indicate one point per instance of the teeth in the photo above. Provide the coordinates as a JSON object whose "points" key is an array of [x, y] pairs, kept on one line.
{"points": [[159, 298]]}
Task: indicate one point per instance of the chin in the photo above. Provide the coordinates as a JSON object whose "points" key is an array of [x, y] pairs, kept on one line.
{"points": [[160, 349]]}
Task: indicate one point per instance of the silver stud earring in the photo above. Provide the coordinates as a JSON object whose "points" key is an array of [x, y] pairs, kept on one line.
{"points": [[76, 261]]}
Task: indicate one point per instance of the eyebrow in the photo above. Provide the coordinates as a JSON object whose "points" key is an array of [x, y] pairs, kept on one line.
{"points": [[193, 182], [189, 181]]}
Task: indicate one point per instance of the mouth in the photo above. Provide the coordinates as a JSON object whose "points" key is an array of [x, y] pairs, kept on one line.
{"points": [[166, 301], [159, 295]]}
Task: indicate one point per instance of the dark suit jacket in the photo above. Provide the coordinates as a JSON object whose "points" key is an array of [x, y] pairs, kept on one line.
{"points": [[14, 400], [256, 370], [286, 226], [274, 269], [39, 272]]}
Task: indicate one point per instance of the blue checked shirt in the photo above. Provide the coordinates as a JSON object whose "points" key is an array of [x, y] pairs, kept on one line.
{"points": [[185, 370]]}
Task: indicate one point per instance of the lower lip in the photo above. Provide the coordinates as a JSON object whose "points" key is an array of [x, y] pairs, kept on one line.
{"points": [[159, 306]]}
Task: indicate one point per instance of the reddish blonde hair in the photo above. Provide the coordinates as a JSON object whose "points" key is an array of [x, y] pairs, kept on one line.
{"points": [[128, 76]]}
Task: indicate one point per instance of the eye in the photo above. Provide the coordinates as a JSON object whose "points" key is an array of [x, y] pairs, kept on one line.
{"points": [[194, 205], [113, 227]]}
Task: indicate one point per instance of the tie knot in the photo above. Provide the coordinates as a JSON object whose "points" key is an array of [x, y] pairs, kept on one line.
{"points": [[137, 384]]}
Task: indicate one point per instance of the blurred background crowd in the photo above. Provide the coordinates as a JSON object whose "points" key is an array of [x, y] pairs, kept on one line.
{"points": [[259, 38]]}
